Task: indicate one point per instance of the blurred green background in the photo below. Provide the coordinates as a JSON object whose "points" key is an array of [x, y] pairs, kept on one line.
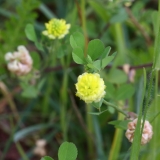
{"points": [[46, 107]]}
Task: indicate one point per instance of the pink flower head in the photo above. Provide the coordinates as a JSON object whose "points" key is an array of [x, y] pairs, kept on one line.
{"points": [[146, 134], [19, 62]]}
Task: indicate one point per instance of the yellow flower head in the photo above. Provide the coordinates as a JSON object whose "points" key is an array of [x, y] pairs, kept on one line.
{"points": [[56, 28], [90, 87]]}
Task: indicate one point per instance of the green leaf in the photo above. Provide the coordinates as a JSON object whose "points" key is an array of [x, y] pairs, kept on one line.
{"points": [[78, 55], [97, 64], [41, 83], [154, 21], [100, 9], [107, 60], [36, 59], [106, 52], [47, 158], [39, 46], [89, 59], [120, 124], [77, 40], [97, 113], [95, 48], [98, 104], [156, 24], [117, 76], [30, 92], [124, 92], [67, 151], [111, 110], [30, 32], [23, 133], [2, 70], [120, 16], [110, 90], [61, 52]]}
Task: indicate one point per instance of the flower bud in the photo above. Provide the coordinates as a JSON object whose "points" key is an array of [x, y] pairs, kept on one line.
{"points": [[19, 62], [146, 134]]}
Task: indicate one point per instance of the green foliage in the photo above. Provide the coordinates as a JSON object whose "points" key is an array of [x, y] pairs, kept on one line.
{"points": [[117, 76], [77, 40], [125, 91], [100, 9], [95, 49], [36, 59], [31, 35], [47, 158], [14, 37], [46, 104], [27, 131], [156, 24], [30, 32], [31, 91], [78, 55], [138, 131], [67, 151], [97, 55], [120, 16], [97, 113], [120, 124]]}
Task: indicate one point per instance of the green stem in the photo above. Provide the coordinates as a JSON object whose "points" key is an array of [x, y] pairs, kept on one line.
{"points": [[121, 46], [154, 145], [90, 129], [115, 148], [115, 107], [63, 98], [21, 151], [83, 3], [46, 104], [88, 109], [148, 96]]}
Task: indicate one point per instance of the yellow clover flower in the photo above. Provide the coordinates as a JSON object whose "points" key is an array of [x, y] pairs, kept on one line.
{"points": [[56, 28], [90, 87]]}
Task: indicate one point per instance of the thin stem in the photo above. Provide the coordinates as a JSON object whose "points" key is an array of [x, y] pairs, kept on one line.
{"points": [[83, 16], [71, 65], [138, 25], [154, 143], [8, 97], [117, 140], [21, 151], [115, 107], [148, 95], [90, 129], [64, 100], [80, 118]]}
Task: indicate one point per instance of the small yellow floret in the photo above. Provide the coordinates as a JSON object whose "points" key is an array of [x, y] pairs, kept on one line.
{"points": [[90, 87], [56, 28]]}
